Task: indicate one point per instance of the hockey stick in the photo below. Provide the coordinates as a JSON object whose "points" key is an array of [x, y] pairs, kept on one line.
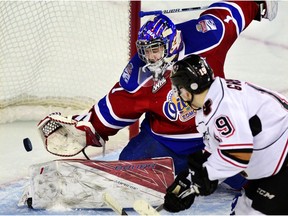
{"points": [[113, 204], [142, 207], [175, 10]]}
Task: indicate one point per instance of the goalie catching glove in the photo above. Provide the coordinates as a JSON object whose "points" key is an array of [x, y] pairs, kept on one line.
{"points": [[64, 136]]}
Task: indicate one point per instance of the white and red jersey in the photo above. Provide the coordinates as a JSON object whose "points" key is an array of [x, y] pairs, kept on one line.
{"points": [[169, 121], [240, 117]]}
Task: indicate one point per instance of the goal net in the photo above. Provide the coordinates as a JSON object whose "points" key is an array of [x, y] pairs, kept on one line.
{"points": [[61, 55]]}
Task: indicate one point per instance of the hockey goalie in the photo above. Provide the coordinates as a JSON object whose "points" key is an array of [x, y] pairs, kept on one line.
{"points": [[80, 183]]}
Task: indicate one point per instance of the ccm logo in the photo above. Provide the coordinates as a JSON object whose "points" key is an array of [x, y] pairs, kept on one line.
{"points": [[265, 193]]}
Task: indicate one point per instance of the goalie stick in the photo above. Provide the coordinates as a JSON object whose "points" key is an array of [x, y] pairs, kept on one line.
{"points": [[113, 204], [141, 206]]}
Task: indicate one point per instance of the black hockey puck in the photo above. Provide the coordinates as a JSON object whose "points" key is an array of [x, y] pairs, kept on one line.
{"points": [[27, 144]]}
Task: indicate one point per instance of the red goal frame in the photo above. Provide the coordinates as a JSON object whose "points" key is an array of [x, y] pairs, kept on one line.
{"points": [[135, 7]]}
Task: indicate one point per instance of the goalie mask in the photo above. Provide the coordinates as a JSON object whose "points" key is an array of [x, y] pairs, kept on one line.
{"points": [[158, 44], [193, 74]]}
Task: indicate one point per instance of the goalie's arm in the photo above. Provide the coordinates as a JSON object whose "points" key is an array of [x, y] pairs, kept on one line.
{"points": [[104, 119], [117, 110]]}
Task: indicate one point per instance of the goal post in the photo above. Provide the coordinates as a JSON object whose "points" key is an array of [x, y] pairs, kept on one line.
{"points": [[62, 55], [135, 9]]}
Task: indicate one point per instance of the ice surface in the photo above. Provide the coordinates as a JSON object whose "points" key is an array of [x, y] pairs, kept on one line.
{"points": [[260, 55]]}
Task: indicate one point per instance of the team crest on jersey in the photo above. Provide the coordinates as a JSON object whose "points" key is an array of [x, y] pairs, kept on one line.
{"points": [[174, 108], [127, 72], [206, 25]]}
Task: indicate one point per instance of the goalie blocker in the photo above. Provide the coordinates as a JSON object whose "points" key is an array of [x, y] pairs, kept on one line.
{"points": [[66, 137]]}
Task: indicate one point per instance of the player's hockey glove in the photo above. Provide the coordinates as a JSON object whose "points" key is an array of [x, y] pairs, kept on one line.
{"points": [[64, 136], [179, 196], [199, 174]]}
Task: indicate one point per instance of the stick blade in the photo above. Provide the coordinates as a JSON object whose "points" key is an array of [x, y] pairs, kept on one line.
{"points": [[142, 207]]}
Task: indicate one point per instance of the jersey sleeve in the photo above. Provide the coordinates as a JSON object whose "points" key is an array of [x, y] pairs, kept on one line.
{"points": [[215, 31], [235, 17], [122, 106], [115, 111]]}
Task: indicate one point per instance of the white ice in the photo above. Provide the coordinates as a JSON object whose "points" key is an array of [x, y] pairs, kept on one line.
{"points": [[260, 55]]}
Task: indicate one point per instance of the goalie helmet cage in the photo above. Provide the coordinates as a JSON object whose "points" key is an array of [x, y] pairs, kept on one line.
{"points": [[62, 55]]}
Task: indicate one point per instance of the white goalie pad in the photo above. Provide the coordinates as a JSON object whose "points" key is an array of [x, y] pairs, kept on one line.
{"points": [[72, 183]]}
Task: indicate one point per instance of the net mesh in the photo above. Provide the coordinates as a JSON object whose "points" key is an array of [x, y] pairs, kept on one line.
{"points": [[62, 54]]}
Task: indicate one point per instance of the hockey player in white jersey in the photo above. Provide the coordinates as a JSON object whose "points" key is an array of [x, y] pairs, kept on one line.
{"points": [[245, 130]]}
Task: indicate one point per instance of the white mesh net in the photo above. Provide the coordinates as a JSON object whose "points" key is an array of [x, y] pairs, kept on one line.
{"points": [[59, 55]]}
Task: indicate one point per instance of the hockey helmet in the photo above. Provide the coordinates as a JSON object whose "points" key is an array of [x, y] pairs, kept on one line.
{"points": [[192, 73], [158, 32]]}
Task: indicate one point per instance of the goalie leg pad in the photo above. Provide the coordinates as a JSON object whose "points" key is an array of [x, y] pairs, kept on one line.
{"points": [[77, 183]]}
